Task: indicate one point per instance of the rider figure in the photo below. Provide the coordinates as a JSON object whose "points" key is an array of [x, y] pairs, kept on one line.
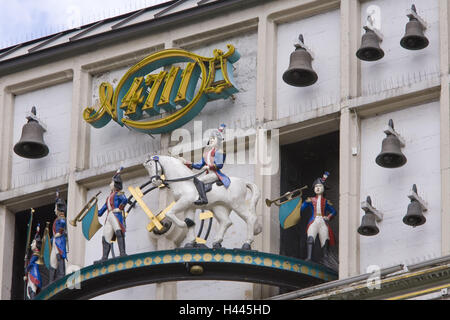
{"points": [[213, 158]]}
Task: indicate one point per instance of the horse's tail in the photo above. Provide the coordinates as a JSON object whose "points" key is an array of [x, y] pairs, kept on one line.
{"points": [[256, 195]]}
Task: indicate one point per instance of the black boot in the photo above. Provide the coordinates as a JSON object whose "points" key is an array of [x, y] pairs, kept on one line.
{"points": [[309, 248], [326, 250], [51, 275], [106, 249], [61, 268], [201, 192], [121, 242]]}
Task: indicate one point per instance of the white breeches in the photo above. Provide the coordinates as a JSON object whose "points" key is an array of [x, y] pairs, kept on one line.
{"points": [[33, 288], [209, 178], [110, 227], [53, 259], [319, 227]]}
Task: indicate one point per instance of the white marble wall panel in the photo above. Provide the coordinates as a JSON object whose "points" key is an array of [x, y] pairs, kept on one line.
{"points": [[53, 106], [401, 67], [322, 36], [388, 188]]}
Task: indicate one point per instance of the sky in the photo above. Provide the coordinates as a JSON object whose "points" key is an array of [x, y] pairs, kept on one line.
{"points": [[24, 20]]}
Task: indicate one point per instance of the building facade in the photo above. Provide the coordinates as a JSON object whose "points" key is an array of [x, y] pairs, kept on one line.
{"points": [[334, 125]]}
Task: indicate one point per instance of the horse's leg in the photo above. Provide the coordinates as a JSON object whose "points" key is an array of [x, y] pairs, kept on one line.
{"points": [[222, 214], [190, 237], [246, 214], [180, 206]]}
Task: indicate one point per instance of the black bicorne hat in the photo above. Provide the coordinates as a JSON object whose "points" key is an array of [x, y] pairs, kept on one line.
{"points": [[61, 205], [37, 238], [322, 180], [118, 180]]}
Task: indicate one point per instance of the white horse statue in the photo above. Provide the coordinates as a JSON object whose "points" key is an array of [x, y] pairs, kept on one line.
{"points": [[221, 201]]}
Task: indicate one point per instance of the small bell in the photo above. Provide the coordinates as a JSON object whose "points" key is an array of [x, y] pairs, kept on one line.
{"points": [[414, 215], [391, 155], [368, 225], [414, 38], [370, 49], [31, 144]]}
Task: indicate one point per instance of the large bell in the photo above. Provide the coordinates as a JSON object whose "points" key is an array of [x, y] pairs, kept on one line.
{"points": [[391, 155], [31, 144], [370, 47], [414, 39], [368, 225], [300, 72]]}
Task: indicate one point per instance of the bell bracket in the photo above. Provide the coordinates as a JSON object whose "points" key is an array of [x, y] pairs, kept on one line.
{"points": [[300, 44], [32, 116], [374, 20], [375, 30], [368, 208], [414, 196], [389, 130], [411, 13]]}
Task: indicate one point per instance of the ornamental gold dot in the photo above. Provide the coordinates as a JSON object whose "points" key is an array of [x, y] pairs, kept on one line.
{"points": [[207, 257], [267, 262]]}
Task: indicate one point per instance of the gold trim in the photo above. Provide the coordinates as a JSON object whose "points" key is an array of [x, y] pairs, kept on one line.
{"points": [[418, 293]]}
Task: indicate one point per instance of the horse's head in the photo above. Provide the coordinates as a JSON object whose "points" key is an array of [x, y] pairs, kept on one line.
{"points": [[154, 169]]}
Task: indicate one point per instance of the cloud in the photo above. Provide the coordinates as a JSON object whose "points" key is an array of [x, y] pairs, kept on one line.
{"points": [[24, 20]]}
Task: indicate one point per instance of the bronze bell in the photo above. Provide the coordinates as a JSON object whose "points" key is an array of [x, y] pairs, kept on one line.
{"points": [[414, 39], [391, 155], [300, 72], [31, 144], [414, 215], [370, 46], [368, 225]]}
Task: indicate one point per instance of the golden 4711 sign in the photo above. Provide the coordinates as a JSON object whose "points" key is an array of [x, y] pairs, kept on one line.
{"points": [[158, 102]]}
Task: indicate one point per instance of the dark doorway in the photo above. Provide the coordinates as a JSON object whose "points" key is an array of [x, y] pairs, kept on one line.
{"points": [[302, 163], [41, 215]]}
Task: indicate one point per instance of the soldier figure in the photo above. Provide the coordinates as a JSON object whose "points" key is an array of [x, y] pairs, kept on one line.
{"points": [[213, 158], [58, 254], [114, 227], [33, 276], [318, 224]]}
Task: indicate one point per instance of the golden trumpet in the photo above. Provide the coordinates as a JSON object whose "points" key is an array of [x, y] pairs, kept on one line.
{"points": [[287, 196], [84, 211]]}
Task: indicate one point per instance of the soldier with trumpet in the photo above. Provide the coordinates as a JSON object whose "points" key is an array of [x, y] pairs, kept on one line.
{"points": [[322, 213]]}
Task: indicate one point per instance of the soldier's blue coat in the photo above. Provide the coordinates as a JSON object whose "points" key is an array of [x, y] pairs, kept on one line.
{"points": [[119, 200], [60, 226], [33, 271]]}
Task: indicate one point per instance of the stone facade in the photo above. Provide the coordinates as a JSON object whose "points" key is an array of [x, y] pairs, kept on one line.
{"points": [[353, 97]]}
